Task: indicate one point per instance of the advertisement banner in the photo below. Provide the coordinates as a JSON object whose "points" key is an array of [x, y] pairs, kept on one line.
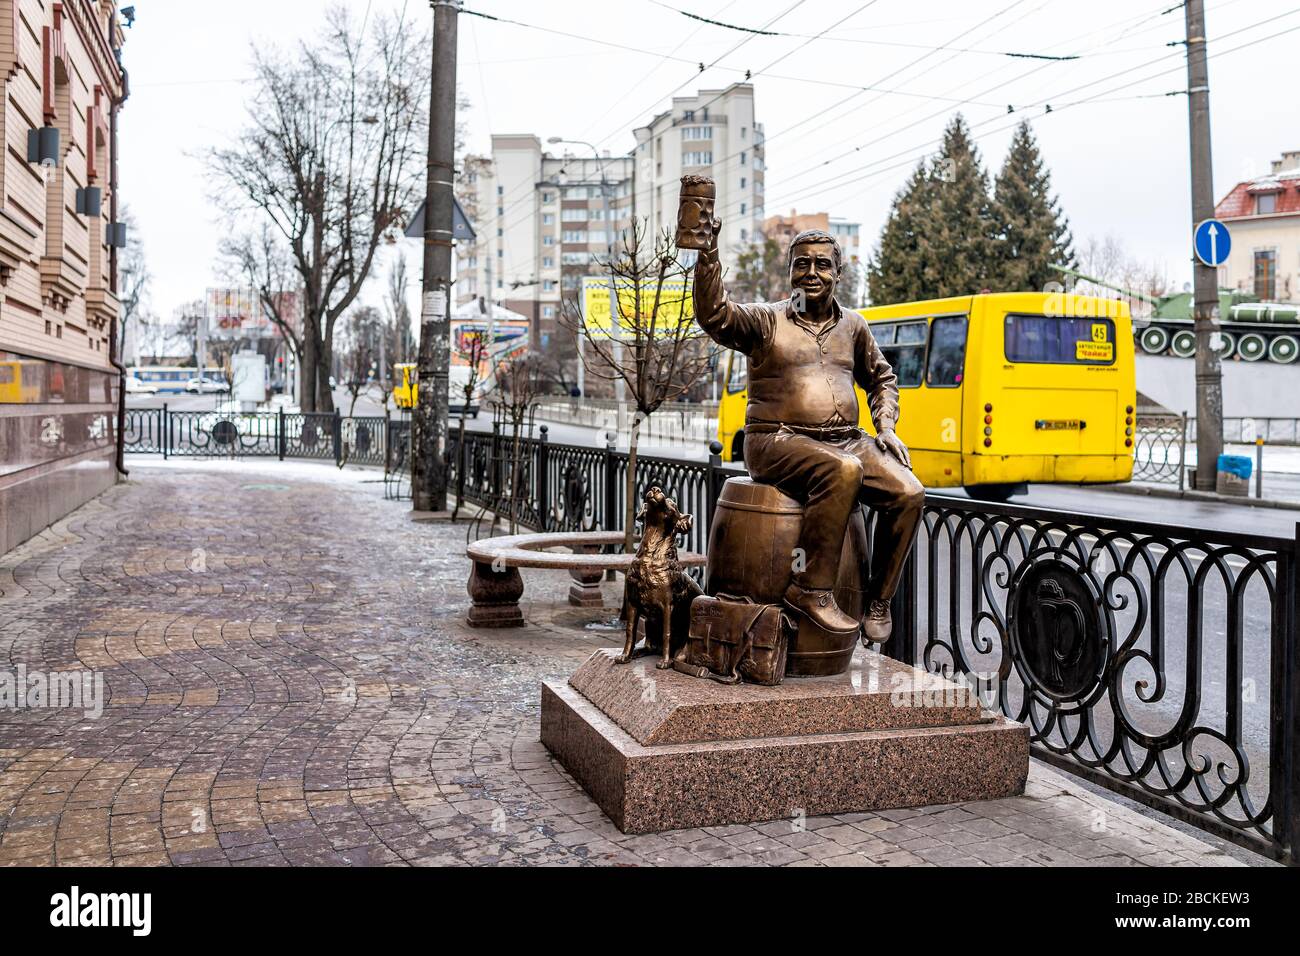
{"points": [[238, 314], [675, 301]]}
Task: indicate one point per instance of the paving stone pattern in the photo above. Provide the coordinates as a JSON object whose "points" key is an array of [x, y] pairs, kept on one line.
{"points": [[289, 681]]}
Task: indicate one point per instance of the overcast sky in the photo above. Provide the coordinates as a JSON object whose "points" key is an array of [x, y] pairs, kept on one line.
{"points": [[1116, 146]]}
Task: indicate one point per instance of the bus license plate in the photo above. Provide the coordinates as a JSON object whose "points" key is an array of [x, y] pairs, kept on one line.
{"points": [[1058, 424]]}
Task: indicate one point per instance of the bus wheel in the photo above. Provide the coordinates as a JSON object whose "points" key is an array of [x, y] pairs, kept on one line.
{"points": [[1252, 347], [996, 493], [1284, 349], [738, 446], [1154, 340]]}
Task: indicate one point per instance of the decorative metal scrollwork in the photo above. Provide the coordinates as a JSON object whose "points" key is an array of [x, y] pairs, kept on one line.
{"points": [[1058, 632]]}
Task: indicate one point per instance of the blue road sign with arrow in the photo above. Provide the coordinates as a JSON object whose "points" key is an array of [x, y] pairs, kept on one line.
{"points": [[1212, 242]]}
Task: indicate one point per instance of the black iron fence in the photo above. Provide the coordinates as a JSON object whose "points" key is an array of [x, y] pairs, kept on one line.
{"points": [[366, 440], [1158, 661]]}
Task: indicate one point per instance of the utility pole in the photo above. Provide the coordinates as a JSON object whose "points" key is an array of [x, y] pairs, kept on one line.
{"points": [[1209, 380], [428, 465]]}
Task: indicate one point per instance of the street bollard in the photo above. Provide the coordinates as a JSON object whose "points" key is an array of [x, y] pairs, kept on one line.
{"points": [[1259, 468]]}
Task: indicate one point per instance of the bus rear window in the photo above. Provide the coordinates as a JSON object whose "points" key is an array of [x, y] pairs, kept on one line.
{"points": [[1059, 341]]}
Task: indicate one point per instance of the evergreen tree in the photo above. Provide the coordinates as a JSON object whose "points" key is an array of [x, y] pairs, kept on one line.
{"points": [[1034, 233], [896, 271], [959, 241]]}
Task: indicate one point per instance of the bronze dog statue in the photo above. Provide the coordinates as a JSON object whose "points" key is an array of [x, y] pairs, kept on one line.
{"points": [[656, 588]]}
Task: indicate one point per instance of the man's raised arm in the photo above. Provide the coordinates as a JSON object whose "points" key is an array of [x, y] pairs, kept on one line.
{"points": [[740, 327]]}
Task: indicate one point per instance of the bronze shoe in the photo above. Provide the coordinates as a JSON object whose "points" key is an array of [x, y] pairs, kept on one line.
{"points": [[819, 607], [877, 625]]}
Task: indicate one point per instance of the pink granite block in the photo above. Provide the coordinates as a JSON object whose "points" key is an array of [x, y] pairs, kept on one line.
{"points": [[668, 707], [723, 781]]}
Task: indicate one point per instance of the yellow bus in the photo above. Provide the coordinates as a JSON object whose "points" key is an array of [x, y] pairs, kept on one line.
{"points": [[406, 388], [997, 390]]}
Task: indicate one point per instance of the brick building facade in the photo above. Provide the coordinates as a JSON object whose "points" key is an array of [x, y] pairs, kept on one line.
{"points": [[62, 82]]}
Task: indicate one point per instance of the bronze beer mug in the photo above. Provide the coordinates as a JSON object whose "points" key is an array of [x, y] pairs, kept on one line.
{"points": [[695, 212]]}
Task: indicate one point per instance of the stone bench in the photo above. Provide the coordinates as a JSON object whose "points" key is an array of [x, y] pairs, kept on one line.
{"points": [[495, 586]]}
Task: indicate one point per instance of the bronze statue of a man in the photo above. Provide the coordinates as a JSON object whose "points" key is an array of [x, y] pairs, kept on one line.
{"points": [[801, 424]]}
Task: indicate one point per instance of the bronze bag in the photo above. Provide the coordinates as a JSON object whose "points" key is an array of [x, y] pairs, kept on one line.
{"points": [[731, 638]]}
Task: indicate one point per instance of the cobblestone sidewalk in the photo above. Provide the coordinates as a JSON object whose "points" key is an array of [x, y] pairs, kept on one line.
{"points": [[289, 681]]}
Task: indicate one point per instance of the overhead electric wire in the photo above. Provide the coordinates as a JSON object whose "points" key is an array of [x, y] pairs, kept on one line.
{"points": [[876, 140], [927, 149]]}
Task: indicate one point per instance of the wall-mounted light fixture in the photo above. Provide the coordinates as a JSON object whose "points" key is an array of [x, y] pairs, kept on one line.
{"points": [[117, 235], [89, 201], [43, 146]]}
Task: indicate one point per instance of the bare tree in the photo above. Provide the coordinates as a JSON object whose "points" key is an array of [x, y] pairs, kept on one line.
{"points": [[660, 351], [399, 312], [257, 260], [1109, 260], [133, 279], [364, 328], [474, 352], [518, 388], [330, 162]]}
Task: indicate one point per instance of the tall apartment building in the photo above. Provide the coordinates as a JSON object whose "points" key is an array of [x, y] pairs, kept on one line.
{"points": [[61, 83], [541, 221], [710, 134], [540, 213]]}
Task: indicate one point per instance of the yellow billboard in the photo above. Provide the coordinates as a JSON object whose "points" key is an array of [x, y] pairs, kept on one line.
{"points": [[675, 299]]}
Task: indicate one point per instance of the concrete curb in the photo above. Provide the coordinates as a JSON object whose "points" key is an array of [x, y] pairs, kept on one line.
{"points": [[1202, 496]]}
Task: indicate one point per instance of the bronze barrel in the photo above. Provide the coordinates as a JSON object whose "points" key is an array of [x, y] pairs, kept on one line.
{"points": [[752, 544]]}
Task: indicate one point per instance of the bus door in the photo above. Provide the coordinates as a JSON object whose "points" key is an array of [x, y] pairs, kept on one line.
{"points": [[943, 388], [934, 442]]}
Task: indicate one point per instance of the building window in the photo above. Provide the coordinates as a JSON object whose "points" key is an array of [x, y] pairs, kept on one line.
{"points": [[548, 219], [501, 254], [697, 132], [548, 262], [574, 235], [744, 131], [501, 190], [742, 208], [744, 233], [699, 158], [1265, 203], [548, 285], [548, 311], [501, 210], [547, 197], [573, 215], [742, 157], [548, 240], [500, 232], [1266, 274], [742, 182]]}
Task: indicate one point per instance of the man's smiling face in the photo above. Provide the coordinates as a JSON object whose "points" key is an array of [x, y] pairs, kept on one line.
{"points": [[813, 273]]}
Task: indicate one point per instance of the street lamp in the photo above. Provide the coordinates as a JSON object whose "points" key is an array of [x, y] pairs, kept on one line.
{"points": [[613, 292]]}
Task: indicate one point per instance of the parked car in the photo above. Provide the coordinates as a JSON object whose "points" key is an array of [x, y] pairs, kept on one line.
{"points": [[202, 386], [135, 386]]}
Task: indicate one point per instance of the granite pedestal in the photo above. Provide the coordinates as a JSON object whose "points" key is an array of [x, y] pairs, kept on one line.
{"points": [[660, 750]]}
